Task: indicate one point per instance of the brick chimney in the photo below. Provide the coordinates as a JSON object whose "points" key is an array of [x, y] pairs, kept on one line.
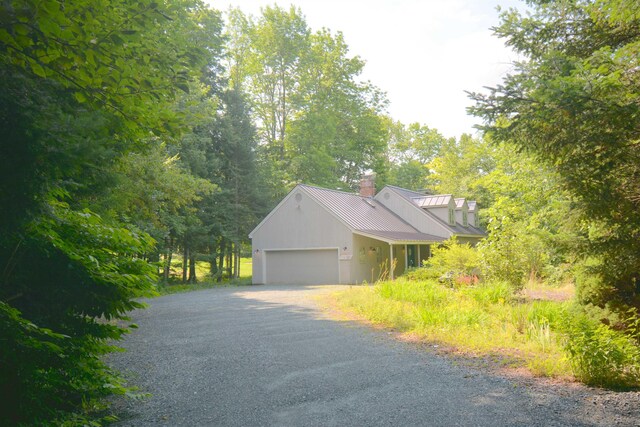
{"points": [[368, 185]]}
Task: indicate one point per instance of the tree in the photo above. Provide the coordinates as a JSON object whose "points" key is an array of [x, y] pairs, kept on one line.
{"points": [[575, 104], [279, 38], [316, 122], [337, 133], [460, 164], [529, 220], [82, 85], [411, 149]]}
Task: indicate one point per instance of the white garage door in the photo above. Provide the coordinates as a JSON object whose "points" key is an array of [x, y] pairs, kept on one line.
{"points": [[302, 267]]}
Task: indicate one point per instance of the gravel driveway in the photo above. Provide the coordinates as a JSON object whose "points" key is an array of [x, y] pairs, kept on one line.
{"points": [[265, 355]]}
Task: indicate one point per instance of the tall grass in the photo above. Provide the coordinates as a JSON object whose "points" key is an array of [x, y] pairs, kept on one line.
{"points": [[551, 338], [485, 319]]}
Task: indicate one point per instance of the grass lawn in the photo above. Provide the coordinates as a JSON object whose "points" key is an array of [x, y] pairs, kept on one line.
{"points": [[484, 320], [204, 279]]}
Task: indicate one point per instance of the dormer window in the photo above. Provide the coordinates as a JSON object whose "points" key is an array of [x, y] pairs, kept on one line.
{"points": [[476, 220], [452, 217], [465, 218]]}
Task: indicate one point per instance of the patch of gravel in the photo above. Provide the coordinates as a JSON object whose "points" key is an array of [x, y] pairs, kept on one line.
{"points": [[260, 355]]}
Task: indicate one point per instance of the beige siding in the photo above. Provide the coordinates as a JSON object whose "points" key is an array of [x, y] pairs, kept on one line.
{"points": [[399, 260], [412, 214], [442, 213], [368, 258], [471, 217], [300, 224]]}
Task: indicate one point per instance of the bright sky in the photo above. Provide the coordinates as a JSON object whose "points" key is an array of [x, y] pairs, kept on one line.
{"points": [[423, 53]]}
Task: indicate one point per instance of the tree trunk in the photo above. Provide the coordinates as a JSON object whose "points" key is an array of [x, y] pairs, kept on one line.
{"points": [[167, 262], [221, 260], [192, 268], [236, 262], [185, 260], [213, 268], [229, 259], [238, 271]]}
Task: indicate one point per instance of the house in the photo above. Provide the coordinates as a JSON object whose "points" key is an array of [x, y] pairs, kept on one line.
{"points": [[321, 236]]}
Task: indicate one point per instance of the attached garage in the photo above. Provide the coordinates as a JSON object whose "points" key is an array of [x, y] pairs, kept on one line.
{"points": [[301, 266]]}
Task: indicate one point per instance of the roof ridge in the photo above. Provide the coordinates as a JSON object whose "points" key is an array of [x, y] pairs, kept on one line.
{"points": [[439, 195], [395, 187], [331, 189]]}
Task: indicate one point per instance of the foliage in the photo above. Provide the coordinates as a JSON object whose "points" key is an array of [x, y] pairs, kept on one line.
{"points": [[133, 55], [589, 282], [317, 122], [83, 85], [88, 275], [530, 221], [601, 355], [460, 166], [574, 104], [419, 273], [454, 260], [411, 149], [483, 320]]}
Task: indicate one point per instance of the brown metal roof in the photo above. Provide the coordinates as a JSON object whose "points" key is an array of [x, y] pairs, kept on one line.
{"points": [[366, 215]]}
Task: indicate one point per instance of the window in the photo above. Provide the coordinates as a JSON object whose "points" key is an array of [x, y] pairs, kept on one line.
{"points": [[465, 218], [452, 217], [476, 220]]}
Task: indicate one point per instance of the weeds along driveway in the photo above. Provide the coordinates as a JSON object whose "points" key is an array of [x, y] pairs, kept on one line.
{"points": [[265, 355]]}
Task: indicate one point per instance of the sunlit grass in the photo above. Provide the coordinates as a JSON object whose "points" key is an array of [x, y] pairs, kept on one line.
{"points": [[208, 284], [483, 320], [205, 281]]}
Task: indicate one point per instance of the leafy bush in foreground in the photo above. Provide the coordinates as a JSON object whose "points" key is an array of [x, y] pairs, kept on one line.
{"points": [[601, 355], [453, 260], [84, 276]]}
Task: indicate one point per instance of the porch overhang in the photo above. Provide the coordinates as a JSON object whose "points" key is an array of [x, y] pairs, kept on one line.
{"points": [[400, 238]]}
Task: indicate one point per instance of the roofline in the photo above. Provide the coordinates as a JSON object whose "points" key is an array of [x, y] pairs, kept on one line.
{"points": [[437, 220], [351, 228], [424, 212], [405, 189], [285, 198], [340, 220], [394, 241], [311, 196], [464, 202]]}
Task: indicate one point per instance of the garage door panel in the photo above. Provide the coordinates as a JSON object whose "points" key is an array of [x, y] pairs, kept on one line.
{"points": [[304, 267]]}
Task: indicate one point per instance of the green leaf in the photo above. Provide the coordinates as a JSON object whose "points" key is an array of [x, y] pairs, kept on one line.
{"points": [[80, 97], [38, 70]]}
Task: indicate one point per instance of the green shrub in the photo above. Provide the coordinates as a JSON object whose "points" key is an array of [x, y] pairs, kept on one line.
{"points": [[454, 260], [492, 293], [84, 275], [600, 355], [511, 253], [420, 274], [590, 285]]}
